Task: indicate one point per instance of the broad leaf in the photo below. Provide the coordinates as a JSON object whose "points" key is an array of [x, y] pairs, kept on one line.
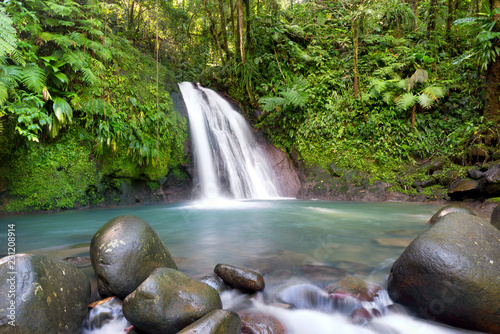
{"points": [[62, 111]]}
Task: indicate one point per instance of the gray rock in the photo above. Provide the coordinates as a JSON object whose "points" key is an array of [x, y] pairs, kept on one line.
{"points": [[51, 296], [123, 252], [428, 183], [449, 209], [475, 174], [450, 273], [215, 322], [168, 301], [240, 278]]}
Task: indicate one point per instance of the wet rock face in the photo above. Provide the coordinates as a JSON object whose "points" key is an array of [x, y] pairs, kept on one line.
{"points": [[449, 209], [215, 322], [450, 274], [168, 301], [51, 296], [240, 278], [123, 252]]}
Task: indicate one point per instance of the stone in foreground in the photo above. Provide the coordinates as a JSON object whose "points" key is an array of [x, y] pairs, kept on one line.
{"points": [[449, 209], [451, 273], [215, 322], [51, 296], [168, 301], [123, 252]]}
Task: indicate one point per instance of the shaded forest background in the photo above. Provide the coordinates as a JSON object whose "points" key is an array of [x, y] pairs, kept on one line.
{"points": [[379, 86]]}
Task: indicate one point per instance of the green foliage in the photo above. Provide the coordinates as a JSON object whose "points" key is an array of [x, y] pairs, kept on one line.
{"points": [[51, 177]]}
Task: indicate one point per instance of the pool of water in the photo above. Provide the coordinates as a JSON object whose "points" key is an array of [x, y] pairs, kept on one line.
{"points": [[286, 240]]}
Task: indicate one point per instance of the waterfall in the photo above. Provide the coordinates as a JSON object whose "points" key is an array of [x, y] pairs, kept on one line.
{"points": [[228, 159]]}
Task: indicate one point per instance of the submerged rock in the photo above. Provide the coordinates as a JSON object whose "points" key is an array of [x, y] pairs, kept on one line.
{"points": [[354, 287], [215, 322], [450, 273], [167, 301], [42, 296], [449, 209], [103, 312], [215, 282], [260, 323], [240, 278], [123, 252]]}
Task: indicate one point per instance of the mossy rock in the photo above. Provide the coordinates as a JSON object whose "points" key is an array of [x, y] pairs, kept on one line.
{"points": [[51, 296]]}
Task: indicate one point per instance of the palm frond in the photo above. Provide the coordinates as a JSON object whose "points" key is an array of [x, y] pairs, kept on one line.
{"points": [[419, 76]]}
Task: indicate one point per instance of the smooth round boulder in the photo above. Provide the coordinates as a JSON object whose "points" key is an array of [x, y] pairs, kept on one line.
{"points": [[124, 252], [449, 209], [168, 301], [240, 278], [463, 188], [215, 322], [40, 295], [451, 273]]}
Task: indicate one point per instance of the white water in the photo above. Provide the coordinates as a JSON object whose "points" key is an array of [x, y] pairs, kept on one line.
{"points": [[228, 159]]}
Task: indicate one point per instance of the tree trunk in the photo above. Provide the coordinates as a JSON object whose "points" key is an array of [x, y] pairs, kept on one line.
{"points": [[223, 29], [247, 11], [433, 12], [241, 32], [449, 23], [414, 6], [355, 40], [492, 104]]}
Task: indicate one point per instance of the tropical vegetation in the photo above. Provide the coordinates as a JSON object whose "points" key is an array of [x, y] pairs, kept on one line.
{"points": [[375, 85]]}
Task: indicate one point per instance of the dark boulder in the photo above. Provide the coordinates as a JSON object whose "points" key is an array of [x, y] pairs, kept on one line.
{"points": [[464, 188], [450, 273], [123, 252], [495, 217], [50, 296], [240, 278], [215, 322], [168, 301], [489, 184], [449, 209]]}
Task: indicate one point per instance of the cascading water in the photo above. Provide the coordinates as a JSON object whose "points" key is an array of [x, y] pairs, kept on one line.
{"points": [[227, 156]]}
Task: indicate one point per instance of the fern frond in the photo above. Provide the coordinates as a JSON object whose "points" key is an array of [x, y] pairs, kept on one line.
{"points": [[294, 97], [271, 103], [89, 76], [4, 94], [425, 101], [406, 101], [33, 77], [388, 97], [63, 41], [404, 84], [8, 34], [435, 92]]}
